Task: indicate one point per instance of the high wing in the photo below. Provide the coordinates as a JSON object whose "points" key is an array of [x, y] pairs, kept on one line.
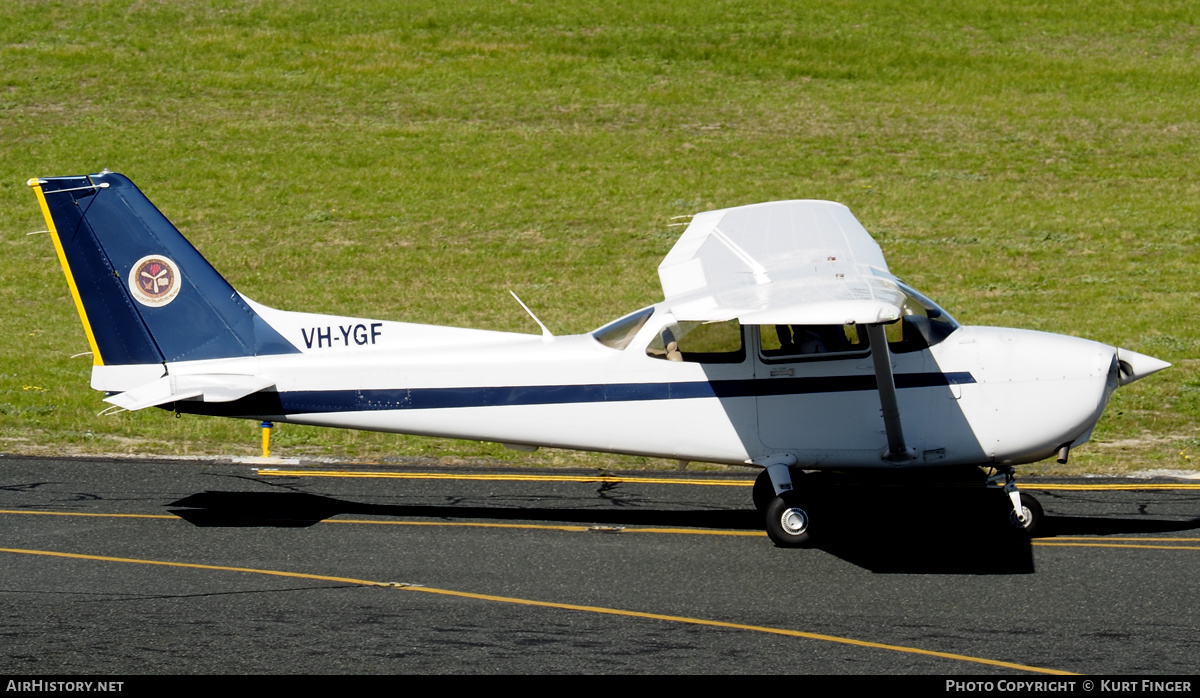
{"points": [[783, 262]]}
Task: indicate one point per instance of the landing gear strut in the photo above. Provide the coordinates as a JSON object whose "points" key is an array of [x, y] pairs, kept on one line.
{"points": [[763, 491], [1026, 515]]}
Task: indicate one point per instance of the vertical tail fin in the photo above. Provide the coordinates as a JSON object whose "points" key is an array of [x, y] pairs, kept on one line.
{"points": [[144, 294]]}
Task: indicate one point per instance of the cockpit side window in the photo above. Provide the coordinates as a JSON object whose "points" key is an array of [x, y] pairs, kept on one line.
{"points": [[799, 342], [922, 325], [700, 342], [619, 333]]}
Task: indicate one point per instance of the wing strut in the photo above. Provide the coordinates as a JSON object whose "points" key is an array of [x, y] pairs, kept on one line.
{"points": [[897, 451]]}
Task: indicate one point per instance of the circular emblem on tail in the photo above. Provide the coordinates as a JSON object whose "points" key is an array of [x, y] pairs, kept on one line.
{"points": [[154, 281]]}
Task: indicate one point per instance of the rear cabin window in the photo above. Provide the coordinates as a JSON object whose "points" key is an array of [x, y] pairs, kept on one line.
{"points": [[619, 333], [700, 342]]}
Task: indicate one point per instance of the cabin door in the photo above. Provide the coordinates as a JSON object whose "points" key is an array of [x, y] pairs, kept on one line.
{"points": [[816, 391]]}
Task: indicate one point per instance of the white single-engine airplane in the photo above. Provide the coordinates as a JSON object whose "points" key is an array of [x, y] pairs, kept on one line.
{"points": [[783, 342]]}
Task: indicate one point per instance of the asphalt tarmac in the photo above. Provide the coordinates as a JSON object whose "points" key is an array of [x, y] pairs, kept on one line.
{"points": [[144, 567]]}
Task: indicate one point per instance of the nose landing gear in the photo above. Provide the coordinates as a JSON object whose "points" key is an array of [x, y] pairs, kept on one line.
{"points": [[1026, 515]]}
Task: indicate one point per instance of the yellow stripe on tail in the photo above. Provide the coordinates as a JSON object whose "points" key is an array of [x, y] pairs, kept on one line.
{"points": [[62, 259]]}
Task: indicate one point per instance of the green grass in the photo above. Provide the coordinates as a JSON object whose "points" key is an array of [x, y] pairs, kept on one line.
{"points": [[1032, 165]]}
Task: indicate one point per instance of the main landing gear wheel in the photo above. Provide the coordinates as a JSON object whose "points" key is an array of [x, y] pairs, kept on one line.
{"points": [[1031, 509], [787, 523]]}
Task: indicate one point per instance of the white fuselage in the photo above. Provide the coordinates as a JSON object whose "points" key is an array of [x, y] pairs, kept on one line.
{"points": [[982, 396]]}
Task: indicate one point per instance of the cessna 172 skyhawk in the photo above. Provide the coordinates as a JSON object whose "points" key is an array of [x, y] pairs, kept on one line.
{"points": [[783, 342]]}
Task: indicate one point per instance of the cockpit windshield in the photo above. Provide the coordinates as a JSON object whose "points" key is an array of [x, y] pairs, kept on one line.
{"points": [[931, 323], [619, 333]]}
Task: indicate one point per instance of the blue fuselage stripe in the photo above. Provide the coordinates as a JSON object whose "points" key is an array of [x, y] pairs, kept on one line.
{"points": [[316, 401]]}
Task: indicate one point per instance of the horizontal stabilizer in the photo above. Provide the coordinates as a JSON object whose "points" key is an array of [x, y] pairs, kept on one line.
{"points": [[207, 387]]}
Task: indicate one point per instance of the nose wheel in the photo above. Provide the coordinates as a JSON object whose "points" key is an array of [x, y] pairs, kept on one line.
{"points": [[1031, 516], [1026, 514]]}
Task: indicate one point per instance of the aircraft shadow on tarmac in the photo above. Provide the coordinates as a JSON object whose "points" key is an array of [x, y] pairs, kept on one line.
{"points": [[873, 529]]}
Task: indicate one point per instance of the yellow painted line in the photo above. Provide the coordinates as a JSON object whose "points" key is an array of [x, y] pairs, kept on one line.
{"points": [[1098, 543], [463, 524], [699, 532], [752, 628], [441, 523], [193, 565], [600, 528], [1107, 540], [270, 472], [1102, 487], [77, 513], [562, 606], [510, 477], [62, 260], [1048, 544]]}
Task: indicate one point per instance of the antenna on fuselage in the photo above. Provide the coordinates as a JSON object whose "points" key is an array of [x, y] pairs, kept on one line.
{"points": [[546, 336]]}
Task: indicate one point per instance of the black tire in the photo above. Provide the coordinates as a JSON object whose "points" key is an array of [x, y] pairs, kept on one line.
{"points": [[763, 491], [1033, 516], [787, 524]]}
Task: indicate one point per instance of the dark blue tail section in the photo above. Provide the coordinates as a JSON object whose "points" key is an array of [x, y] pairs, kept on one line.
{"points": [[144, 293]]}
